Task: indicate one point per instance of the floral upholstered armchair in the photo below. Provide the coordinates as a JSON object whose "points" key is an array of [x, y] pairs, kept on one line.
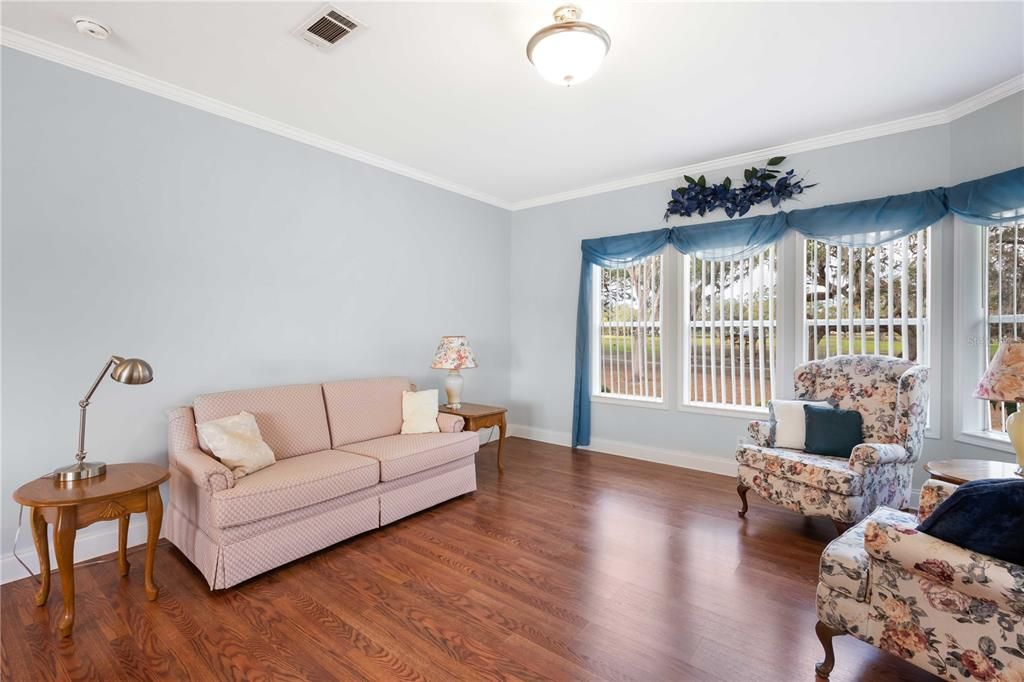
{"points": [[892, 396], [946, 609]]}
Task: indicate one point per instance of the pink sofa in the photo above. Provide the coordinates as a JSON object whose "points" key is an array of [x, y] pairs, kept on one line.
{"points": [[342, 469]]}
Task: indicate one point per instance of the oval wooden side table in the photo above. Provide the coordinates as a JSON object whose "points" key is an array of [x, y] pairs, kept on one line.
{"points": [[959, 471], [125, 489]]}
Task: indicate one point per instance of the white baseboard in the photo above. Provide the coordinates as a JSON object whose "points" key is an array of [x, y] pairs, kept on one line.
{"points": [[679, 458], [88, 545], [725, 466]]}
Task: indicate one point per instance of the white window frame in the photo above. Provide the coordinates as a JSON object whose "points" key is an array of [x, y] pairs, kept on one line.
{"points": [[683, 376], [969, 321], [788, 349], [669, 317], [934, 293]]}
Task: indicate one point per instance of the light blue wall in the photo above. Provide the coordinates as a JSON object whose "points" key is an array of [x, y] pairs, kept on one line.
{"points": [[226, 256], [545, 257]]}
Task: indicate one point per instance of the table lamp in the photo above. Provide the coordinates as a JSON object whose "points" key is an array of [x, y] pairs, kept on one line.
{"points": [[127, 371], [453, 353], [1003, 382]]}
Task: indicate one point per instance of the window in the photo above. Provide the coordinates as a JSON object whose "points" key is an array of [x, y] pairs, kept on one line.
{"points": [[694, 334], [730, 331], [629, 361], [1003, 265], [871, 300]]}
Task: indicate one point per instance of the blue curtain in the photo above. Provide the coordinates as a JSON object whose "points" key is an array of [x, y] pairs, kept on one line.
{"points": [[871, 222], [988, 201], [731, 239]]}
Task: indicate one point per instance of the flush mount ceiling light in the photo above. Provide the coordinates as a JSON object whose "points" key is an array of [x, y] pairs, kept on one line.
{"points": [[569, 51]]}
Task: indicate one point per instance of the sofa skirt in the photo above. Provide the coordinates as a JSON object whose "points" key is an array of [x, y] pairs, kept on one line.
{"points": [[225, 565]]}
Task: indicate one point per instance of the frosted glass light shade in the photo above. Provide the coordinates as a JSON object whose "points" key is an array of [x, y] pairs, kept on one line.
{"points": [[570, 51], [569, 57]]}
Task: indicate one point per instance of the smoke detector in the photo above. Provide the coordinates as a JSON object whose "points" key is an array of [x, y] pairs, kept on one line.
{"points": [[92, 28], [326, 28]]}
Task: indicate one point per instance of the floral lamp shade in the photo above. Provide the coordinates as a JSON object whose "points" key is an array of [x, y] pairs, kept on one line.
{"points": [[453, 352], [1003, 381]]}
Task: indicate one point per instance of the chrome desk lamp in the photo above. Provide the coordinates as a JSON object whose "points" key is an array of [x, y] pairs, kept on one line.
{"points": [[127, 371]]}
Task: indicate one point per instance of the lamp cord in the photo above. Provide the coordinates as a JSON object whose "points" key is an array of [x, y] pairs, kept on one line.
{"points": [[14, 549]]}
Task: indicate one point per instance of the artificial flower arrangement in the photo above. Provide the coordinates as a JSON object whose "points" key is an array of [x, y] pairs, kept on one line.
{"points": [[767, 183]]}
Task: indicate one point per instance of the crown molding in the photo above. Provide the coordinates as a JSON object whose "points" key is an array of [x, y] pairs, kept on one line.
{"points": [[941, 117], [53, 52], [45, 49]]}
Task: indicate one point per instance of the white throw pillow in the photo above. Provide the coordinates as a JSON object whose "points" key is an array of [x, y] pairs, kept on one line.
{"points": [[790, 422], [419, 411], [237, 443]]}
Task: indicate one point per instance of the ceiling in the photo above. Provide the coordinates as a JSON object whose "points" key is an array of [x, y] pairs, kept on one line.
{"points": [[444, 90]]}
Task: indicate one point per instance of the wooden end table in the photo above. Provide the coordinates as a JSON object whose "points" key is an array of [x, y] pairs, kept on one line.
{"points": [[960, 471], [123, 490], [481, 417]]}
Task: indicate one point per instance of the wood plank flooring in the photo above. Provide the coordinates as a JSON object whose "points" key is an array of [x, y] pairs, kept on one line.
{"points": [[569, 567]]}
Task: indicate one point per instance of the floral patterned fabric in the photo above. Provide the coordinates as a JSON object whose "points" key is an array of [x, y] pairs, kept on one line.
{"points": [[892, 397], [891, 394], [933, 493], [818, 471], [955, 613], [1004, 379], [763, 432], [803, 498]]}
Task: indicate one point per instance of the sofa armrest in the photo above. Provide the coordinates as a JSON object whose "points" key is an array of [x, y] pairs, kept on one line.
{"points": [[450, 423], [203, 470], [961, 570], [867, 455], [762, 432], [933, 493]]}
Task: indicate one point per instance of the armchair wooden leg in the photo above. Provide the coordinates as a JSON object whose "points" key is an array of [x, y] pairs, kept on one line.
{"points": [[825, 634], [842, 527], [742, 490]]}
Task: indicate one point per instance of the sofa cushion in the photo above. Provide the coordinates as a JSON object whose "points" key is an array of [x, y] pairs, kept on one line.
{"points": [[292, 484], [363, 409], [818, 471], [403, 455], [292, 419]]}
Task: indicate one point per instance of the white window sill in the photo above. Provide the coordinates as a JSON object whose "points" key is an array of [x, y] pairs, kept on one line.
{"points": [[648, 403], [986, 439], [726, 411]]}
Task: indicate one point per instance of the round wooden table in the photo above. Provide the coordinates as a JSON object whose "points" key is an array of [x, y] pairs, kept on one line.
{"points": [[963, 470], [123, 490]]}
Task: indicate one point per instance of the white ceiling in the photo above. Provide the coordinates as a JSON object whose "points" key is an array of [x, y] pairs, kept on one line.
{"points": [[445, 88]]}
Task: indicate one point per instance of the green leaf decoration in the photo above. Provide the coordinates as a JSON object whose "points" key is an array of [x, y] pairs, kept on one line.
{"points": [[689, 180], [747, 175], [702, 182], [727, 183], [776, 160]]}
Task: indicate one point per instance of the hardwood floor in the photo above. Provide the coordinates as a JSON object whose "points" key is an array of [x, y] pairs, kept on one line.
{"points": [[579, 567]]}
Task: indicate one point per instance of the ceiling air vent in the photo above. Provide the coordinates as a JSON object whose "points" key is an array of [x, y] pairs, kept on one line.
{"points": [[326, 28]]}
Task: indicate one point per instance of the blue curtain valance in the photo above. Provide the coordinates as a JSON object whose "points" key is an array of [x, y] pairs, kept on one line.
{"points": [[871, 222], [991, 200]]}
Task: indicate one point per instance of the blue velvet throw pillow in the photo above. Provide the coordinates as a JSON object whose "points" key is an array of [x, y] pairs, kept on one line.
{"points": [[831, 431], [984, 516]]}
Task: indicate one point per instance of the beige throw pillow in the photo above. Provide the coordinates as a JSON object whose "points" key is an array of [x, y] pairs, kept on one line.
{"points": [[419, 411], [237, 443]]}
